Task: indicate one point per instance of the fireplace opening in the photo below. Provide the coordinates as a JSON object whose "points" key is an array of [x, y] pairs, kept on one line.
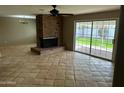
{"points": [[49, 42]]}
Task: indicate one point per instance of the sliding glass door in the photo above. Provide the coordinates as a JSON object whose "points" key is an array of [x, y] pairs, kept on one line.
{"points": [[95, 38]]}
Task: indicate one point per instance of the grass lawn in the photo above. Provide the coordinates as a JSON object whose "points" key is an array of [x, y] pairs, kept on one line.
{"points": [[95, 42]]}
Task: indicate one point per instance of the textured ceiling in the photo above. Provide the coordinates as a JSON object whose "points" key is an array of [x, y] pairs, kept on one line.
{"points": [[44, 9]]}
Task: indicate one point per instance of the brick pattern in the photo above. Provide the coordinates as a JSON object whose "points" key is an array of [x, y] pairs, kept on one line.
{"points": [[19, 67], [49, 26], [39, 29]]}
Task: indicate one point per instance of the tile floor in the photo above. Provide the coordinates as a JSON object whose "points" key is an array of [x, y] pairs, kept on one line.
{"points": [[19, 67], [96, 52]]}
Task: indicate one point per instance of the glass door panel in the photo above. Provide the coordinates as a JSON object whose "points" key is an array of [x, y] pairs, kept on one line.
{"points": [[83, 37], [102, 38]]}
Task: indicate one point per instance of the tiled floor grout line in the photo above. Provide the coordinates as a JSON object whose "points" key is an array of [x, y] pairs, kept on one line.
{"points": [[23, 63]]}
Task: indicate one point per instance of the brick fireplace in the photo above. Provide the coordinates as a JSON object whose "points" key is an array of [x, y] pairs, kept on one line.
{"points": [[49, 33], [49, 30]]}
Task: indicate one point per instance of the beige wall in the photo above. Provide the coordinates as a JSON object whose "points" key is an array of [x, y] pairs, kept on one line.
{"points": [[68, 24], [12, 32]]}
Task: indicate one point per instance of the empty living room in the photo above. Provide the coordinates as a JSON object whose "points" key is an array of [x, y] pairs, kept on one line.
{"points": [[61, 45]]}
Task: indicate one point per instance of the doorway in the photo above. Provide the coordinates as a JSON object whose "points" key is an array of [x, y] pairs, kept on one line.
{"points": [[95, 38]]}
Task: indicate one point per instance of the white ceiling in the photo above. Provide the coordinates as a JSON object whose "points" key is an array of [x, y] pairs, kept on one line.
{"points": [[44, 9]]}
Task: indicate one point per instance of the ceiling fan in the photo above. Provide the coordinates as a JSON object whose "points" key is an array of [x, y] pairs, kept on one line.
{"points": [[55, 12]]}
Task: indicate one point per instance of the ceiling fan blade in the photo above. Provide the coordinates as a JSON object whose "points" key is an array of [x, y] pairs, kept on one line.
{"points": [[65, 14]]}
